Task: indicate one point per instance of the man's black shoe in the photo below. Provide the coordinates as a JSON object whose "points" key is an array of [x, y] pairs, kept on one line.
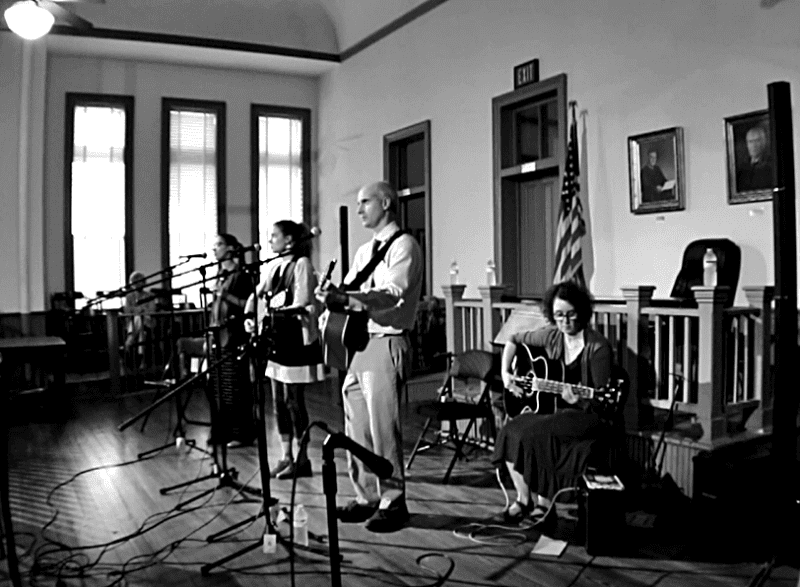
{"points": [[354, 512], [390, 519]]}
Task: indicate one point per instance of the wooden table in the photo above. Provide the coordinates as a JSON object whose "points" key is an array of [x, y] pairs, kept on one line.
{"points": [[50, 350]]}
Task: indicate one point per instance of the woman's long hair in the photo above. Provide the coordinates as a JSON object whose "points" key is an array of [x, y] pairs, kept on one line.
{"points": [[299, 233], [236, 247]]}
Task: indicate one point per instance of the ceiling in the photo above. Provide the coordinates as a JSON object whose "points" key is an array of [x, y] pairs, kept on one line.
{"points": [[324, 27]]}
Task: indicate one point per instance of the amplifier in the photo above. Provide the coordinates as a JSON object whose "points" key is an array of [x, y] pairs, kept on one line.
{"points": [[601, 514]]}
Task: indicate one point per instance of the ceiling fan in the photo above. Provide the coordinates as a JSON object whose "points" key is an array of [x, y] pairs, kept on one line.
{"points": [[32, 19]]}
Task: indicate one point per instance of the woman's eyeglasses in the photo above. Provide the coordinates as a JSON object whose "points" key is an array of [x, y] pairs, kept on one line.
{"points": [[571, 316]]}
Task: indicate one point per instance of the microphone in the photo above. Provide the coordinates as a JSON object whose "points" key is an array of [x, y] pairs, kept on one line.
{"points": [[379, 465], [195, 256], [254, 248]]}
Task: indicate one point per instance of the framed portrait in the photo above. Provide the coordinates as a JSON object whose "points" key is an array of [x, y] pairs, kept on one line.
{"points": [[655, 170], [749, 159]]}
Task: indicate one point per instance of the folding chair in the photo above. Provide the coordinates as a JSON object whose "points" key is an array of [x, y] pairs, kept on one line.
{"points": [[476, 367]]}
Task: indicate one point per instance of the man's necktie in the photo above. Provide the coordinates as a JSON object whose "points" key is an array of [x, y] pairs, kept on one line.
{"points": [[376, 245]]}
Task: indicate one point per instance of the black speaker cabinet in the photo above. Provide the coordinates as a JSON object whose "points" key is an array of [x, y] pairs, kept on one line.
{"points": [[601, 514]]}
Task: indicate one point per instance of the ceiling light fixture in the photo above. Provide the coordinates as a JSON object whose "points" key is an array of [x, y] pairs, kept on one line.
{"points": [[28, 19]]}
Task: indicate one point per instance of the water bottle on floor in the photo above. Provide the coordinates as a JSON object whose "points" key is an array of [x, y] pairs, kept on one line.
{"points": [[300, 522]]}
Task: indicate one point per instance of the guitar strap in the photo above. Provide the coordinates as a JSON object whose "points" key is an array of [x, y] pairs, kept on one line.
{"points": [[282, 280], [365, 273]]}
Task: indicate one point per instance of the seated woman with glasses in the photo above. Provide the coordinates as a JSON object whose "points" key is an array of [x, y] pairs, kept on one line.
{"points": [[545, 452]]}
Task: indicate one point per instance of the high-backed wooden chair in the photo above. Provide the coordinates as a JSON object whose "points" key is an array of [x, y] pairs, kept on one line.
{"points": [[474, 368], [729, 263]]}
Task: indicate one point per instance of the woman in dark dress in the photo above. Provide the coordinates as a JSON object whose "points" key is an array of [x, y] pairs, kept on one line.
{"points": [[546, 452], [234, 425]]}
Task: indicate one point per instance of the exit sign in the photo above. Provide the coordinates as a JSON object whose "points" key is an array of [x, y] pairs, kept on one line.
{"points": [[527, 73]]}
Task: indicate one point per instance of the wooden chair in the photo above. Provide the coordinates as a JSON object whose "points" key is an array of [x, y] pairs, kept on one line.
{"points": [[474, 403], [729, 263]]}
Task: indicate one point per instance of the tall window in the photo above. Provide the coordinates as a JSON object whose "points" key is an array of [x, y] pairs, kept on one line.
{"points": [[193, 186], [98, 182], [281, 174]]}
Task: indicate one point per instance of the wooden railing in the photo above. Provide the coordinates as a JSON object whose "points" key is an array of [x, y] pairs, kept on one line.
{"points": [[148, 356], [712, 362]]}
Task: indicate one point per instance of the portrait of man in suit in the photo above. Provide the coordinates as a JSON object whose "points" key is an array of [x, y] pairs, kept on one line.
{"points": [[749, 159], [754, 170]]}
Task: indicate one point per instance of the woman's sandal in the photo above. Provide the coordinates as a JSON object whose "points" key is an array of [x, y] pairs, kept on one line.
{"points": [[522, 511]]}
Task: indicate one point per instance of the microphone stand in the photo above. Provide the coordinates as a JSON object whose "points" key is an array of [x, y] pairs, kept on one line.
{"points": [[381, 467], [227, 476], [329, 487], [260, 345], [253, 353], [126, 289], [219, 469], [179, 432]]}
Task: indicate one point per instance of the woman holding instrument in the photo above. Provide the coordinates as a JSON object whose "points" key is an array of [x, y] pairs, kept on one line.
{"points": [[291, 333], [546, 452]]}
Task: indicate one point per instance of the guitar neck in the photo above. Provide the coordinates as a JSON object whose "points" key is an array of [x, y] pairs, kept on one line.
{"points": [[548, 386]]}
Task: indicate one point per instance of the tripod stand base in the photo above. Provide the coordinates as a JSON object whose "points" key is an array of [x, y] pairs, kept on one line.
{"points": [[321, 551], [216, 536], [227, 478], [190, 443]]}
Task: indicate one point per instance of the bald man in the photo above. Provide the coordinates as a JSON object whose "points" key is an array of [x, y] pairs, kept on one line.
{"points": [[371, 389]]}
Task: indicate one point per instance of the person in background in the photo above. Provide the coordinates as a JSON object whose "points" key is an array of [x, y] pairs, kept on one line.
{"points": [[295, 355], [139, 306]]}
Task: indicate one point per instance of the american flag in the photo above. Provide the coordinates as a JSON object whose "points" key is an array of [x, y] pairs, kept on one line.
{"points": [[571, 228]]}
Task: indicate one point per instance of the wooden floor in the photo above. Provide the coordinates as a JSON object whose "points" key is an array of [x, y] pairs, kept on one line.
{"points": [[86, 510]]}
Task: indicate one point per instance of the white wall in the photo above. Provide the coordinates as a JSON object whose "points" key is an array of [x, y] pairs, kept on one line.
{"points": [[632, 65], [22, 75], [148, 83]]}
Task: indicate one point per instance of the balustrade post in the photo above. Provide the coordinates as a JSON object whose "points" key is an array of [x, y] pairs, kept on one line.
{"points": [[112, 329], [455, 329], [760, 297], [711, 361], [635, 361], [490, 295]]}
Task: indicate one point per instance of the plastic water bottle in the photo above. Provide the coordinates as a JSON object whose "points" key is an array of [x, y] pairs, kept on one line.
{"points": [[710, 268], [491, 273], [454, 273], [300, 522]]}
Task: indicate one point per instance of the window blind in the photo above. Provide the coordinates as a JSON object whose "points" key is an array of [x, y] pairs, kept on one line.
{"points": [[98, 200]]}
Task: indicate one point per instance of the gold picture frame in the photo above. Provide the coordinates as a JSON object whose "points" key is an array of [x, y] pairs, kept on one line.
{"points": [[656, 171]]}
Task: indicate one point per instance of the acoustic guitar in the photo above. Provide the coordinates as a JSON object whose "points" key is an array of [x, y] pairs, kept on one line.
{"points": [[542, 381], [344, 333]]}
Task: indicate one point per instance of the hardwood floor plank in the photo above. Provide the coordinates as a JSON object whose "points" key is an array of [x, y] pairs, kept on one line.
{"points": [[114, 501]]}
